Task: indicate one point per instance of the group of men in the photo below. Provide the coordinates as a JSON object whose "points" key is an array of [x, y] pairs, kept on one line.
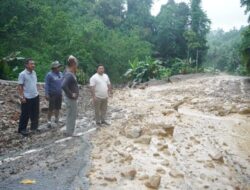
{"points": [[60, 85]]}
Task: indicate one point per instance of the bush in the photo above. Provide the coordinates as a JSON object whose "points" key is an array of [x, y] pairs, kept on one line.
{"points": [[143, 71], [181, 66]]}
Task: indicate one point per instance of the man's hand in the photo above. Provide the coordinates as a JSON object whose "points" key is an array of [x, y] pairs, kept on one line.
{"points": [[110, 94], [74, 95], [94, 99], [23, 100]]}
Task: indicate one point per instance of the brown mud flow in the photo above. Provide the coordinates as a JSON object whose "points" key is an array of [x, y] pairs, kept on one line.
{"points": [[193, 133], [190, 134]]}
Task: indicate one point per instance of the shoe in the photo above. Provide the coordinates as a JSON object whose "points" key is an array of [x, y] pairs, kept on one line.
{"points": [[49, 124], [105, 123], [99, 124], [24, 133], [65, 134], [36, 131]]}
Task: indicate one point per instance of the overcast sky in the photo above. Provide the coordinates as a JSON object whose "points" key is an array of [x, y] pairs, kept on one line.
{"points": [[224, 14]]}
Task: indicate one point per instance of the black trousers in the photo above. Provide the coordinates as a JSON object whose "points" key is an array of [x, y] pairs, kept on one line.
{"points": [[29, 110]]}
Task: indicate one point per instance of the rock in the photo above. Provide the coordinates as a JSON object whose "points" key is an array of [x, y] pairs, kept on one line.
{"points": [[163, 147], [133, 132], [110, 178], [117, 143], [97, 157], [153, 182], [169, 129], [160, 170], [156, 154], [209, 165], [143, 140], [44, 109], [176, 174], [143, 177], [218, 157], [244, 110], [165, 163], [109, 159], [160, 132], [168, 112], [129, 174]]}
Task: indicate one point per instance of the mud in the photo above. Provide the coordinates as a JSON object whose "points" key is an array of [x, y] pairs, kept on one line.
{"points": [[192, 134]]}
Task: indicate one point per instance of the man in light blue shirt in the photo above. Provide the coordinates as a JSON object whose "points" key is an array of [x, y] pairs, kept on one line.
{"points": [[28, 93]]}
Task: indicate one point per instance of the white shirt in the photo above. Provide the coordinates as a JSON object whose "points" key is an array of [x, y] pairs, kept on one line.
{"points": [[29, 82], [100, 82]]}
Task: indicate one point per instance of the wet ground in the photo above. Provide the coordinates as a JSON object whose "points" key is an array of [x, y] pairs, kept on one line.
{"points": [[189, 134], [193, 133]]}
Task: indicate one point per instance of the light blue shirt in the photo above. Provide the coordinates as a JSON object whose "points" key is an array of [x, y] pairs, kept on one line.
{"points": [[29, 82]]}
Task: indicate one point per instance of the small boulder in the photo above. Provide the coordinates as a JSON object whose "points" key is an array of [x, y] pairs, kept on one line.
{"points": [[129, 174], [133, 132], [153, 182], [143, 140]]}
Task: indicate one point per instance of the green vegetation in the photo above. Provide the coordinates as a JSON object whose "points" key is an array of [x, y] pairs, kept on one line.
{"points": [[142, 71], [116, 33], [224, 51], [245, 45]]}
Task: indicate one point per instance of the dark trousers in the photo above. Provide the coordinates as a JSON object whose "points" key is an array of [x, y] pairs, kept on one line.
{"points": [[29, 110]]}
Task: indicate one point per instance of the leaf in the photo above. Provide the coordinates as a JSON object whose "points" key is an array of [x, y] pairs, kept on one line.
{"points": [[28, 182]]}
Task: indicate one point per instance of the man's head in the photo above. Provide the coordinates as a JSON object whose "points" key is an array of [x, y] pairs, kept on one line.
{"points": [[72, 63], [55, 66], [29, 64], [100, 69]]}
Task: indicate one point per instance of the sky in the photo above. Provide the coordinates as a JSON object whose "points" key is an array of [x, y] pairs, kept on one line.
{"points": [[224, 14]]}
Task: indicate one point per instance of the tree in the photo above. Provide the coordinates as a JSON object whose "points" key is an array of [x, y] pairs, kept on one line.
{"points": [[245, 46], [112, 12], [224, 50], [200, 26], [171, 24]]}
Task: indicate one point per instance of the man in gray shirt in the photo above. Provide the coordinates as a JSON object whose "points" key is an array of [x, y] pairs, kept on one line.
{"points": [[71, 90], [29, 97]]}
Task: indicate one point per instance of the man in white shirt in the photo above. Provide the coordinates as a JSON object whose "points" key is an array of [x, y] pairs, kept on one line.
{"points": [[101, 90]]}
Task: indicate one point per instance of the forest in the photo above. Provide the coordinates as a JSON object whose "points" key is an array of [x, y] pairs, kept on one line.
{"points": [[121, 34]]}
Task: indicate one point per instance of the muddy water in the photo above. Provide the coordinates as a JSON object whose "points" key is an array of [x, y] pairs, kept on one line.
{"points": [[209, 147]]}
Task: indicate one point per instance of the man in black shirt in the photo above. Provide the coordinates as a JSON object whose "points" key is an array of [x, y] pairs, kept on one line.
{"points": [[71, 90]]}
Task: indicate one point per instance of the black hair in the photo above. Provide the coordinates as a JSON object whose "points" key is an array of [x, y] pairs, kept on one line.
{"points": [[100, 65], [71, 62], [28, 60]]}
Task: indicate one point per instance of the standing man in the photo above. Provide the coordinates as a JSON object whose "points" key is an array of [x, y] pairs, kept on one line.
{"points": [[71, 90], [53, 91], [101, 90], [28, 93]]}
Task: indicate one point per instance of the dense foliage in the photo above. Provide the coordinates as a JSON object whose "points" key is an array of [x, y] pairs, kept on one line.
{"points": [[245, 46], [112, 32], [224, 51]]}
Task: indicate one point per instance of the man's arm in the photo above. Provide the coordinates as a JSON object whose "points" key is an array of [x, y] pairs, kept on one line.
{"points": [[109, 86], [65, 86], [110, 89], [92, 88], [47, 79], [21, 94]]}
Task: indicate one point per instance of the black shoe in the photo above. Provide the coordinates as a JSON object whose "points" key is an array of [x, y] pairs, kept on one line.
{"points": [[99, 124], [24, 133], [36, 131], [105, 123]]}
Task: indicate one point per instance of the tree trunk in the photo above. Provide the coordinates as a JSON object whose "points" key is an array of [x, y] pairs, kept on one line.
{"points": [[197, 58]]}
